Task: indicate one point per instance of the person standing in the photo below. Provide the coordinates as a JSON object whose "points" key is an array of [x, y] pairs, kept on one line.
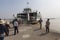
{"points": [[2, 30], [40, 21], [47, 25], [7, 27], [16, 27]]}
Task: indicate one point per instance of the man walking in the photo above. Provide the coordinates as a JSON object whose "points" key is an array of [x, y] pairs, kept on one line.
{"points": [[16, 27], [2, 30], [7, 27], [47, 25]]}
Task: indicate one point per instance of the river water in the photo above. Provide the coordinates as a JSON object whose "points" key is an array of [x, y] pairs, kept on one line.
{"points": [[54, 25]]}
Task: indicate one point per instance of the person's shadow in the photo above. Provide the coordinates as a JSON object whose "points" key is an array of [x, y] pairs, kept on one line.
{"points": [[8, 35], [43, 34], [36, 29]]}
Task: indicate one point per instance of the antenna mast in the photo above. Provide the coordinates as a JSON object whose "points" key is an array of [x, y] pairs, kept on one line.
{"points": [[27, 4]]}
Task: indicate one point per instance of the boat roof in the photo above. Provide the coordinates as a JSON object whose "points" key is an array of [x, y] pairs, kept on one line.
{"points": [[26, 13]]}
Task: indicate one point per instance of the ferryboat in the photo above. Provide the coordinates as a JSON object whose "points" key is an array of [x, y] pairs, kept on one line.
{"points": [[29, 16]]}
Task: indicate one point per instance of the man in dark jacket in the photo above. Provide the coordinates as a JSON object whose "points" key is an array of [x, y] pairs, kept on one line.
{"points": [[2, 30], [7, 28]]}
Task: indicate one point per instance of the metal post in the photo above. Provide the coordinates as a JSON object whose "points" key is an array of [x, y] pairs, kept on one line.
{"points": [[28, 17]]}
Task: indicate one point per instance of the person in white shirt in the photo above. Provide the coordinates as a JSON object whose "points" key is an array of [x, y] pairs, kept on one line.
{"points": [[16, 27]]}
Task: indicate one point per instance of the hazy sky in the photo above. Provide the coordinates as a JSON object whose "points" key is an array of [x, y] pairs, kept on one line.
{"points": [[48, 8]]}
